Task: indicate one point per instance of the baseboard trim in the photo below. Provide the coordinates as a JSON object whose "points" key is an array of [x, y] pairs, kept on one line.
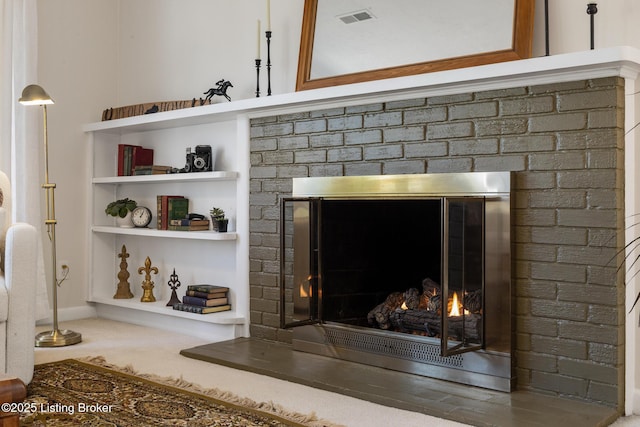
{"points": [[70, 313]]}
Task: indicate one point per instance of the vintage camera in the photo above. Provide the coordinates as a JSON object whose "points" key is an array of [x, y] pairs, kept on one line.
{"points": [[198, 161]]}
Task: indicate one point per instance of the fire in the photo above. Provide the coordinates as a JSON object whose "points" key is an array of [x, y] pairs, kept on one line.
{"points": [[455, 306], [305, 290], [404, 306]]}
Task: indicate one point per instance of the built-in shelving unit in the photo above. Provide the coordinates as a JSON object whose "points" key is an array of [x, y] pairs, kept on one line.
{"points": [[197, 256]]}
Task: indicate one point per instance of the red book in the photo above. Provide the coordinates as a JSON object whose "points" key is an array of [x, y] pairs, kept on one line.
{"points": [[140, 157], [124, 151]]}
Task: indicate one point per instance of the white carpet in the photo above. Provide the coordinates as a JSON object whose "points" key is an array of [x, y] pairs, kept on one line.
{"points": [[154, 351]]}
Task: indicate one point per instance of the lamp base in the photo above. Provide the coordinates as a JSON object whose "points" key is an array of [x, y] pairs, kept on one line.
{"points": [[57, 338]]}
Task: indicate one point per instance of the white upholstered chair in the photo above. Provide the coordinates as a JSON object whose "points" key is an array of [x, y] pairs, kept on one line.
{"points": [[18, 277]]}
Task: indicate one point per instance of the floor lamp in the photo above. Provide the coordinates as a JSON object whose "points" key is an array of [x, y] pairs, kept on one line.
{"points": [[35, 95]]}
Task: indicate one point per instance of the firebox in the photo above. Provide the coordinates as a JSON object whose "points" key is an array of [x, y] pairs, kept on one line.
{"points": [[406, 272]]}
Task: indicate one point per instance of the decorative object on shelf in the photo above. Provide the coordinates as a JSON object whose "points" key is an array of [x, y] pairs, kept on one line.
{"points": [[36, 95], [153, 109], [199, 160], [221, 89], [174, 284], [121, 209], [258, 78], [147, 284], [124, 290], [258, 61], [141, 216], [546, 27], [268, 35], [592, 9], [218, 220], [141, 109]]}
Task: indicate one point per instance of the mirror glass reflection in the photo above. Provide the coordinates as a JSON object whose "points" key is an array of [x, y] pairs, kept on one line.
{"points": [[353, 36]]}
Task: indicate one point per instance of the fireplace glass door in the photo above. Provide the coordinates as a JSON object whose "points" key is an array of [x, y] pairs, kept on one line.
{"points": [[413, 266]]}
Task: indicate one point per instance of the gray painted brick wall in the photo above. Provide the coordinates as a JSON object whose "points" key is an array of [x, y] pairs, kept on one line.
{"points": [[565, 144]]}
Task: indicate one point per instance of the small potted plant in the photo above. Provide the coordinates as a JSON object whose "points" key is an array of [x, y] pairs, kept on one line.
{"points": [[218, 220], [121, 209]]}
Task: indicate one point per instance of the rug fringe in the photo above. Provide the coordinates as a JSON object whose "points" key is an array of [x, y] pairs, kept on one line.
{"points": [[311, 420]]}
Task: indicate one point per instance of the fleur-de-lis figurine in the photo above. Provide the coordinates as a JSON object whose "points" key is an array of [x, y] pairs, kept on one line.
{"points": [[147, 284]]}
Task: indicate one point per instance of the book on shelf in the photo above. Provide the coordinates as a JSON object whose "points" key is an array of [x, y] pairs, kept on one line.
{"points": [[132, 156], [188, 227], [186, 224], [177, 208], [201, 310], [207, 295], [204, 302], [162, 209], [206, 288], [151, 170], [187, 221]]}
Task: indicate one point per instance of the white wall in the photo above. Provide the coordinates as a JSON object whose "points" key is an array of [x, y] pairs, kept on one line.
{"points": [[96, 54]]}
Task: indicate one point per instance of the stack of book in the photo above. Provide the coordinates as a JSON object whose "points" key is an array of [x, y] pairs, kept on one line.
{"points": [[203, 299], [151, 170], [189, 224]]}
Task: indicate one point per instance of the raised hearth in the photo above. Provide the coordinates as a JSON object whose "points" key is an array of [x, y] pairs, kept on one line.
{"points": [[442, 399]]}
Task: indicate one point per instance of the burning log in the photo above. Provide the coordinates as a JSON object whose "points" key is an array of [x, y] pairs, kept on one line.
{"points": [[472, 301], [379, 316], [431, 295], [430, 323]]}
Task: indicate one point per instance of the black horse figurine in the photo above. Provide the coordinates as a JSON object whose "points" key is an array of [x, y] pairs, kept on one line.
{"points": [[221, 90]]}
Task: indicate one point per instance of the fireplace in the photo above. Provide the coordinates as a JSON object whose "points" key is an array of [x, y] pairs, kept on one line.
{"points": [[409, 272]]}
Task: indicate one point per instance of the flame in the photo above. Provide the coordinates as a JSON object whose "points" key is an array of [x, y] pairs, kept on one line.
{"points": [[404, 306], [305, 290], [455, 306]]}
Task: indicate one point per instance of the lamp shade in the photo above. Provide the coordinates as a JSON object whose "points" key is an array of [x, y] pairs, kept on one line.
{"points": [[35, 95]]}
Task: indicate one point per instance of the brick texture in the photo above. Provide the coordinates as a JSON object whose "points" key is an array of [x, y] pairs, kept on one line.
{"points": [[564, 143]]}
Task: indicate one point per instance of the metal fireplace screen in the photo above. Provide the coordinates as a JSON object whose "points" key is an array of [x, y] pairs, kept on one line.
{"points": [[404, 267]]}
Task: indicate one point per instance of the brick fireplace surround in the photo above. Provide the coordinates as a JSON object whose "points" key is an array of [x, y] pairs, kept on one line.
{"points": [[565, 144]]}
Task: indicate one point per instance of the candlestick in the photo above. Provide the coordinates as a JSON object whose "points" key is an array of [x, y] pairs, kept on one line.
{"points": [[258, 41], [268, 33], [592, 9], [258, 77], [268, 15]]}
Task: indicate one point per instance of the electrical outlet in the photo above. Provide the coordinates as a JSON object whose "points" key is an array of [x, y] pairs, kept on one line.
{"points": [[63, 269]]}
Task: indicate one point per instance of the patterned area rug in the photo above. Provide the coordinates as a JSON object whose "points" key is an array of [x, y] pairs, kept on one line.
{"points": [[94, 393]]}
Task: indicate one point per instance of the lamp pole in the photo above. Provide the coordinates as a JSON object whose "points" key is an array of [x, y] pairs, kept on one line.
{"points": [[35, 95]]}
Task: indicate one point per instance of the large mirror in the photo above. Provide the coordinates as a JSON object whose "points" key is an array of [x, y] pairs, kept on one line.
{"points": [[351, 41]]}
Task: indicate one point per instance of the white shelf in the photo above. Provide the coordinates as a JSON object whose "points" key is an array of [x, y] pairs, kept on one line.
{"points": [[170, 177], [152, 232], [160, 307]]}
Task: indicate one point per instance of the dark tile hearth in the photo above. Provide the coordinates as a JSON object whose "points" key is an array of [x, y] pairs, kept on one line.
{"points": [[441, 399]]}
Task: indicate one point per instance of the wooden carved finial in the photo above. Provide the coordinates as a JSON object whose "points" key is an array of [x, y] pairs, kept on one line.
{"points": [[147, 284], [124, 290]]}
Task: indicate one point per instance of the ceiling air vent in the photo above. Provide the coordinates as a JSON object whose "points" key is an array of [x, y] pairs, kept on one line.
{"points": [[361, 15]]}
